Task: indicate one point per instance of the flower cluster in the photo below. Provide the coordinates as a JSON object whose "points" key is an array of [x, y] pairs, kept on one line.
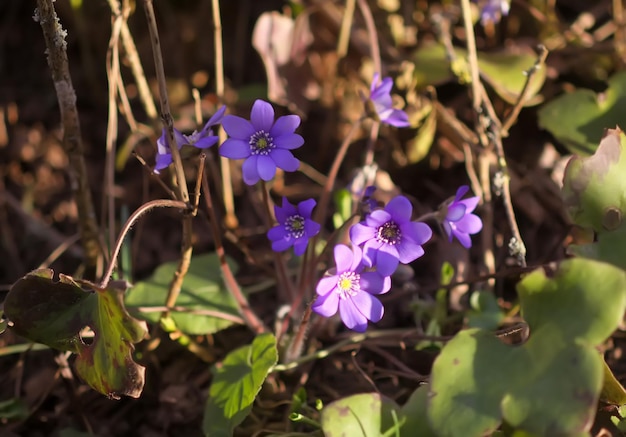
{"points": [[386, 236]]}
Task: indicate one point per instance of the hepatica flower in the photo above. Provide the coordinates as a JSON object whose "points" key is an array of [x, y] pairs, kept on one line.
{"points": [[389, 237], [350, 290], [380, 96], [201, 140], [459, 221], [294, 228], [263, 143]]}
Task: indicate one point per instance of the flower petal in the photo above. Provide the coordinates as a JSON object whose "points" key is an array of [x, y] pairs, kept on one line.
{"points": [[382, 90], [374, 283], [369, 306], [471, 224], [408, 251], [162, 161], [235, 149], [288, 141], [343, 258], [370, 249], [456, 211], [351, 316], [397, 118], [357, 259], [284, 159], [326, 305], [305, 208], [359, 233], [299, 246], [311, 228], [417, 232], [284, 211], [400, 209], [206, 142], [460, 192], [286, 124], [216, 118], [266, 167], [463, 238], [378, 218], [326, 284], [470, 203], [262, 116], [277, 233], [238, 128], [282, 245], [386, 261], [249, 170]]}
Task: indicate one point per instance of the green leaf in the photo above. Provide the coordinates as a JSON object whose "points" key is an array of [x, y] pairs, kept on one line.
{"points": [[578, 119], [549, 385], [504, 72], [485, 312], [55, 313], [414, 411], [236, 383], [202, 289], [362, 415], [594, 188]]}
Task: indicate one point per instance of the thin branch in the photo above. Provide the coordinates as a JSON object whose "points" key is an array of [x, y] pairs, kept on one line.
{"points": [[228, 198], [56, 46], [521, 100], [181, 182], [346, 27]]}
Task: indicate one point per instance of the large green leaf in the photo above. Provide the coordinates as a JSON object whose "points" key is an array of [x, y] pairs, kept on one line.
{"points": [[237, 381], [578, 119], [202, 289], [504, 72], [55, 313], [362, 415], [549, 385]]}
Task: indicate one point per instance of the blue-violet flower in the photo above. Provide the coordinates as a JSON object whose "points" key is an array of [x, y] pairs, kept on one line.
{"points": [[263, 143], [294, 228], [380, 95], [201, 140], [459, 221], [350, 289], [389, 237]]}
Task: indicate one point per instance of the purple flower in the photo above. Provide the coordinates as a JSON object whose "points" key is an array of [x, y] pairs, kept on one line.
{"points": [[459, 221], [263, 143], [493, 10], [294, 228], [389, 237], [350, 290], [380, 95], [201, 140]]}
